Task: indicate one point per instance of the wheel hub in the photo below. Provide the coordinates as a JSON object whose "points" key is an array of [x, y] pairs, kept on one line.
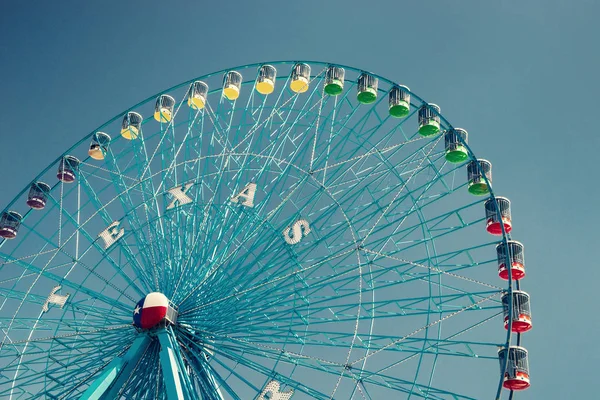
{"points": [[154, 310]]}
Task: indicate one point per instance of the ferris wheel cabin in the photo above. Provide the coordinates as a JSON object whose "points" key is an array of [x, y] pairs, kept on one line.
{"points": [[493, 221], [131, 126], [429, 120], [265, 83], [9, 224], [515, 254], [516, 376], [99, 146], [399, 101], [232, 83], [67, 169], [521, 311], [367, 88], [300, 78], [334, 80], [455, 141], [197, 95], [38, 195], [476, 170], [163, 110]]}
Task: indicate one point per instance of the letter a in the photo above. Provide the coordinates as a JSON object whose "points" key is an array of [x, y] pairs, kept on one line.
{"points": [[247, 195], [180, 196], [111, 234], [294, 234]]}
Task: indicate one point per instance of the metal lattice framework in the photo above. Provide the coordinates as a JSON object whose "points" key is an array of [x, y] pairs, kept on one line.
{"points": [[313, 247]]}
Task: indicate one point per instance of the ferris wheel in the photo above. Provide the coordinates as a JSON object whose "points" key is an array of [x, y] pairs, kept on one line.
{"points": [[291, 230]]}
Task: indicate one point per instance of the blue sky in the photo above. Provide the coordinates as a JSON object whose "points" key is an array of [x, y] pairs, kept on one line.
{"points": [[519, 76]]}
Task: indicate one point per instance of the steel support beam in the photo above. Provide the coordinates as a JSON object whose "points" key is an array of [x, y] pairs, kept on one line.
{"points": [[114, 375], [177, 381]]}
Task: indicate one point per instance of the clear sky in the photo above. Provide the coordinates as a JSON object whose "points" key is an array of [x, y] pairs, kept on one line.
{"points": [[520, 76]]}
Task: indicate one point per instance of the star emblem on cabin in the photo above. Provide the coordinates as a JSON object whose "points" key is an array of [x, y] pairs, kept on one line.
{"points": [[136, 310]]}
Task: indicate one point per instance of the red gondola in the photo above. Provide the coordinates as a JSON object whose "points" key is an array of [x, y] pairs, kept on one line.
{"points": [[521, 311], [493, 224], [516, 257], [516, 375]]}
